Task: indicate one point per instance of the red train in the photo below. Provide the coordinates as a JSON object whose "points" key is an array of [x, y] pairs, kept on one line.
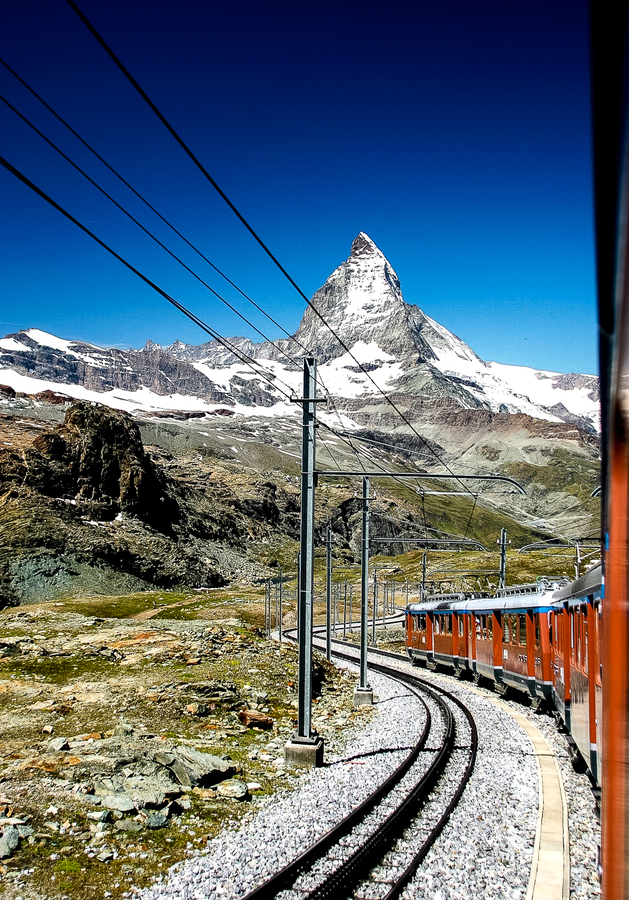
{"points": [[541, 640]]}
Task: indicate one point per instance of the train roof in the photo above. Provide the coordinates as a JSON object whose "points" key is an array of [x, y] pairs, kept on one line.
{"points": [[539, 595], [589, 583], [539, 600], [446, 602], [542, 585], [440, 603]]}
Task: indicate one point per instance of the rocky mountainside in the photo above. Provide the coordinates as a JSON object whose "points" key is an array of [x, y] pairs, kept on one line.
{"points": [[84, 506], [89, 507]]}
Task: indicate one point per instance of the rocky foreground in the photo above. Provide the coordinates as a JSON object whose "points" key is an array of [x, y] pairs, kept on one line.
{"points": [[127, 743]]}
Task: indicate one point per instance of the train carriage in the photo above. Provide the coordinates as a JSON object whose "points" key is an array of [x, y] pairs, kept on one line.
{"points": [[439, 631], [526, 617], [505, 638], [435, 632]]}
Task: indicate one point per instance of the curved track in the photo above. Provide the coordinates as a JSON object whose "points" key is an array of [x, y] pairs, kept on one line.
{"points": [[382, 842]]}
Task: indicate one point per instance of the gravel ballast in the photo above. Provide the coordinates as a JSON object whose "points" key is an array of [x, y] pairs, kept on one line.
{"points": [[288, 823], [485, 850]]}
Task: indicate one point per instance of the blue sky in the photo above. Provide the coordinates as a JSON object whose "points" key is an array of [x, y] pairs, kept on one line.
{"points": [[456, 135]]}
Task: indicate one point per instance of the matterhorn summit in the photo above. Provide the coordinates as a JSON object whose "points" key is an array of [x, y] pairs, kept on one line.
{"points": [[362, 302]]}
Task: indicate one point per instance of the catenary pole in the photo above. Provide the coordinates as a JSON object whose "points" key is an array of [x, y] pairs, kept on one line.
{"points": [[503, 558], [363, 692], [306, 555], [328, 594]]}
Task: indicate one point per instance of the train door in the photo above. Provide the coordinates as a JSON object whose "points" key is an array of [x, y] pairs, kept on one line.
{"points": [[430, 638], [579, 686], [471, 641], [591, 651], [532, 638], [497, 620]]}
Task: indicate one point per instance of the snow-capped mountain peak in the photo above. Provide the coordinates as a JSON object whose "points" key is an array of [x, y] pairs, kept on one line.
{"points": [[364, 335]]}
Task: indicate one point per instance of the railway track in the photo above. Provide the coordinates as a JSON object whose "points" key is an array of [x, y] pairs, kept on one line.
{"points": [[375, 851]]}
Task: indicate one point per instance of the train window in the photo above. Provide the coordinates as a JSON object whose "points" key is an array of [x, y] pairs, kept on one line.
{"points": [[437, 625], [490, 626], [505, 629], [478, 626], [536, 623], [461, 630], [514, 629], [571, 634], [585, 646], [522, 629]]}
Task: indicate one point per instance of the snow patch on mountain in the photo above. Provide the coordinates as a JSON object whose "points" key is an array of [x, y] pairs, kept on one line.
{"points": [[518, 388], [142, 400]]}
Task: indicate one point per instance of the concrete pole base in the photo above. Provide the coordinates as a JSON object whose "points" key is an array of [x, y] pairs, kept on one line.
{"points": [[303, 753], [363, 696]]}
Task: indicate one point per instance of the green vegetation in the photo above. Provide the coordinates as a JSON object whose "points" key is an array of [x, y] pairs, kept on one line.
{"points": [[566, 472]]}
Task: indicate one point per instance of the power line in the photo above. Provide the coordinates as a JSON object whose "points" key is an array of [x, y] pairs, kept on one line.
{"points": [[194, 318], [149, 233], [151, 207], [249, 228], [399, 449], [175, 230]]}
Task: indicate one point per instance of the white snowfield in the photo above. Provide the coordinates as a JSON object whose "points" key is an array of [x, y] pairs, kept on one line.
{"points": [[519, 388]]}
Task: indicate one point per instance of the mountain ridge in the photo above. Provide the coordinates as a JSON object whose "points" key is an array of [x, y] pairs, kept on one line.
{"points": [[403, 349]]}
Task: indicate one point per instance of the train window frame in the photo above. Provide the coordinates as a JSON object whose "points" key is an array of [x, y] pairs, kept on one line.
{"points": [[490, 627], [585, 646], [521, 629], [514, 630], [571, 635], [506, 628]]}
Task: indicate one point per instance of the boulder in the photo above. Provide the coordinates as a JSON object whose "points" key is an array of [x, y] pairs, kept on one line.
{"points": [[233, 790], [9, 841], [192, 768], [120, 802], [254, 719]]}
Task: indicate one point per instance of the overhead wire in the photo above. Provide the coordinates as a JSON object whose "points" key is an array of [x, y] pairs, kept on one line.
{"points": [[250, 362], [150, 206], [176, 231], [246, 224], [174, 256], [253, 364], [149, 234]]}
